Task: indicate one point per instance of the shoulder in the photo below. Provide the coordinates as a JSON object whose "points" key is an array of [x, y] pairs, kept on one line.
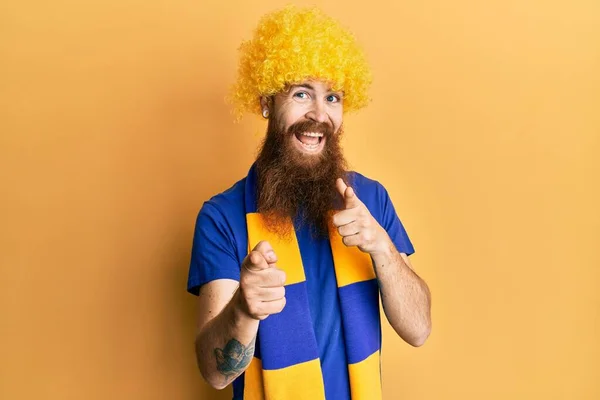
{"points": [[230, 198], [365, 186], [227, 204]]}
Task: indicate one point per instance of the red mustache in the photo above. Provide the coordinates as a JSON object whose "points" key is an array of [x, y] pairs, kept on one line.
{"points": [[311, 126]]}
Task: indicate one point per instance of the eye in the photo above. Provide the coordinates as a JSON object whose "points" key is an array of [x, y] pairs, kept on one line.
{"points": [[301, 95], [333, 98]]}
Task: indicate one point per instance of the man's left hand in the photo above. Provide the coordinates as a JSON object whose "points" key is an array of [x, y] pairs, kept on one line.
{"points": [[356, 225]]}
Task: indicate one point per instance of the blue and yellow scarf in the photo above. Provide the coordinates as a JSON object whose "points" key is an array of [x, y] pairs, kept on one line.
{"points": [[286, 362]]}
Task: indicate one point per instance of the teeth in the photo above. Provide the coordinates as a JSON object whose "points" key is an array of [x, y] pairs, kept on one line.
{"points": [[312, 134], [310, 146]]}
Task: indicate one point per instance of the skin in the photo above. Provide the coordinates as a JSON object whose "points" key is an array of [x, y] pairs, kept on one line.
{"points": [[311, 100], [405, 296], [229, 312]]}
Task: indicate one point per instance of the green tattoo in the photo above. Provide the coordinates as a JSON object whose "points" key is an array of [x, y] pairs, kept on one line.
{"points": [[232, 359]]}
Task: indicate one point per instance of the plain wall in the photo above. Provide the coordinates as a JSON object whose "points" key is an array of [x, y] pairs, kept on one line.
{"points": [[484, 127]]}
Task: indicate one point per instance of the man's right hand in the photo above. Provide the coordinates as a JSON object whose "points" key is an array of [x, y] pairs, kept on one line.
{"points": [[261, 289]]}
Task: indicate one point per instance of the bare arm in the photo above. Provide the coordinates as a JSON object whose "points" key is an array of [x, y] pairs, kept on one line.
{"points": [[229, 314], [406, 298], [225, 342]]}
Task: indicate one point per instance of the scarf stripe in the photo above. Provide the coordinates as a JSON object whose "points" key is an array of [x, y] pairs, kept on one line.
{"points": [[286, 365], [359, 301]]}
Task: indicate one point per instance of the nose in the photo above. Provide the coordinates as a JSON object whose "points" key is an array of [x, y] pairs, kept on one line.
{"points": [[317, 112]]}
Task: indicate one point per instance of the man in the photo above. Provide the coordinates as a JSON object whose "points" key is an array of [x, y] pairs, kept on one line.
{"points": [[289, 263]]}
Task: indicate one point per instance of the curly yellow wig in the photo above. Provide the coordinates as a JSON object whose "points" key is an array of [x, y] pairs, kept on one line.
{"points": [[292, 45]]}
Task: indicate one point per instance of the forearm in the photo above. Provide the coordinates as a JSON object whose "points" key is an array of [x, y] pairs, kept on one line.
{"points": [[225, 345], [405, 296]]}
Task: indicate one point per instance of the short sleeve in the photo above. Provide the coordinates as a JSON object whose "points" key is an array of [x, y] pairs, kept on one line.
{"points": [[392, 224], [213, 250]]}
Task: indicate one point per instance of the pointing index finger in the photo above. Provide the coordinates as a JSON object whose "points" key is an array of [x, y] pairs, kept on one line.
{"points": [[341, 186]]}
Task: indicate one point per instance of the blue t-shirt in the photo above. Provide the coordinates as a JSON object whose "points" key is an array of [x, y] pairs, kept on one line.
{"points": [[221, 244]]}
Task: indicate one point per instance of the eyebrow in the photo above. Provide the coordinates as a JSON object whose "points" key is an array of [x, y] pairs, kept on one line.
{"points": [[303, 85], [309, 86]]}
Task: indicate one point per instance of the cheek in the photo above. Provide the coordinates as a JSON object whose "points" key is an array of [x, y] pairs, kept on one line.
{"points": [[336, 114], [337, 126], [290, 117], [337, 123]]}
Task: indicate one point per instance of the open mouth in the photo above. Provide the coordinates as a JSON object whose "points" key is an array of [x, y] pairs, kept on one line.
{"points": [[310, 142]]}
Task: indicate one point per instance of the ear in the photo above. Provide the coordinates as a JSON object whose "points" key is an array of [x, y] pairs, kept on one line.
{"points": [[266, 103]]}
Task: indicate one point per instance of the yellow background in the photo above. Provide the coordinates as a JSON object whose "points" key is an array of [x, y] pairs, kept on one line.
{"points": [[484, 127]]}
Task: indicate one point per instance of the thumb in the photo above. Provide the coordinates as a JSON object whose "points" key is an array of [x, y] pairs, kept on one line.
{"points": [[341, 186], [255, 261], [261, 257], [350, 198]]}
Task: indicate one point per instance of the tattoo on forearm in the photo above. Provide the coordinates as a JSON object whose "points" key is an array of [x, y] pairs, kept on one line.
{"points": [[233, 358]]}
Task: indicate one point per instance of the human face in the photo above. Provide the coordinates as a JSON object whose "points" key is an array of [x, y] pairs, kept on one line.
{"points": [[301, 157], [310, 101]]}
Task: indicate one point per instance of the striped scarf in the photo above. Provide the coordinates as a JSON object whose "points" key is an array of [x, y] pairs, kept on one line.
{"points": [[286, 363]]}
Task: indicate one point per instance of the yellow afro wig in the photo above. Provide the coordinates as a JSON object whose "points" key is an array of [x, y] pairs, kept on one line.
{"points": [[292, 45]]}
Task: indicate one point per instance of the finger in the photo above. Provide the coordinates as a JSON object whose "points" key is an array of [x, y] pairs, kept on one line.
{"points": [[255, 261], [351, 200], [354, 240], [265, 248], [349, 229], [341, 186], [273, 307], [271, 278], [344, 217], [271, 293]]}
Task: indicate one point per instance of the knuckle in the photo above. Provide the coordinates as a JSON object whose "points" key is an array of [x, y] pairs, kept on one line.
{"points": [[254, 257], [282, 277], [245, 281], [281, 292]]}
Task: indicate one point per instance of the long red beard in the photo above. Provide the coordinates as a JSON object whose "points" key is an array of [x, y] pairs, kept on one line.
{"points": [[297, 186]]}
